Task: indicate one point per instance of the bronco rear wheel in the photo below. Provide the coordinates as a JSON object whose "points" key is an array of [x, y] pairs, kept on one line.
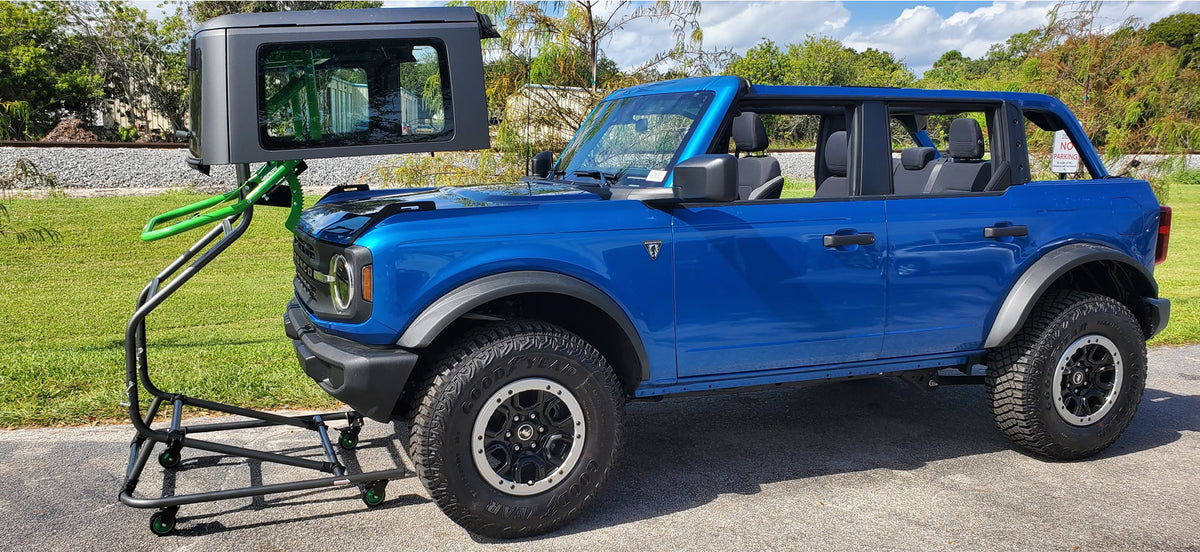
{"points": [[1069, 383], [518, 429]]}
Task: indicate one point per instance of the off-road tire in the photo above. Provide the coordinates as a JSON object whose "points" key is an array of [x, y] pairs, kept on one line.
{"points": [[468, 375], [1020, 375]]}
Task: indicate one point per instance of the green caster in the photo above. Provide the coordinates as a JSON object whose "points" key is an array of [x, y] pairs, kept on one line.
{"points": [[375, 494], [162, 523], [169, 458], [348, 440]]}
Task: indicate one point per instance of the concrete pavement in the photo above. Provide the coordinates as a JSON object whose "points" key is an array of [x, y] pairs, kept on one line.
{"points": [[863, 465]]}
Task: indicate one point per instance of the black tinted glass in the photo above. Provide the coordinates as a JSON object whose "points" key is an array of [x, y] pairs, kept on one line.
{"points": [[353, 93]]}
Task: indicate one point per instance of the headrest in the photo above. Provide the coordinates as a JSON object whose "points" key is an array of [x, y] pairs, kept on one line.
{"points": [[915, 159], [966, 140], [835, 153], [749, 133]]}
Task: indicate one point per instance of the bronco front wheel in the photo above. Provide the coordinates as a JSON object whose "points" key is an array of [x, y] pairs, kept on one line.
{"points": [[518, 430]]}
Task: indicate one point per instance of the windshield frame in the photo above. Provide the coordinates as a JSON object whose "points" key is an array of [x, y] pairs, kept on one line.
{"points": [[569, 166]]}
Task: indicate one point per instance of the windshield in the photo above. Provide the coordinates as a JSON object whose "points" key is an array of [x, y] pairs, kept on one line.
{"points": [[633, 141]]}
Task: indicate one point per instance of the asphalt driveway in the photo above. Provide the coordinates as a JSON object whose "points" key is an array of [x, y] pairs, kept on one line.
{"points": [[865, 465]]}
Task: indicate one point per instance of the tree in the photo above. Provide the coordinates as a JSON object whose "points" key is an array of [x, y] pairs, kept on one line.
{"points": [[879, 68], [143, 61], [762, 64], [1180, 31], [204, 10], [573, 33], [1130, 93], [44, 72], [819, 61]]}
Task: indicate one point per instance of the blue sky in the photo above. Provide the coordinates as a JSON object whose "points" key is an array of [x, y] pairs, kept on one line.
{"points": [[918, 32]]}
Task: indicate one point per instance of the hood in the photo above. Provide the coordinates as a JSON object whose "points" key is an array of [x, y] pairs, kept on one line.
{"points": [[343, 217]]}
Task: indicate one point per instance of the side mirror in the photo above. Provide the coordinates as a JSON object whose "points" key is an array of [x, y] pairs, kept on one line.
{"points": [[710, 177], [541, 164]]}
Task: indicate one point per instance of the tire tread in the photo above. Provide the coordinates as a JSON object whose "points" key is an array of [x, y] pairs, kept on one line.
{"points": [[452, 372], [1012, 379]]}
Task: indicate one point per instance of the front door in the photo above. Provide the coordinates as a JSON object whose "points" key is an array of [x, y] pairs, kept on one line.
{"points": [[781, 284]]}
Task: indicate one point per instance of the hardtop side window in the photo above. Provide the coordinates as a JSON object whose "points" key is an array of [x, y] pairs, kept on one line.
{"points": [[329, 94]]}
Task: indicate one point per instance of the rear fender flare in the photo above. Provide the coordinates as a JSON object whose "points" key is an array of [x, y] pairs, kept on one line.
{"points": [[1040, 276]]}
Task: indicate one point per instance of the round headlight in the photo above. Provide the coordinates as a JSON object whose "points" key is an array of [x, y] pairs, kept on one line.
{"points": [[341, 288]]}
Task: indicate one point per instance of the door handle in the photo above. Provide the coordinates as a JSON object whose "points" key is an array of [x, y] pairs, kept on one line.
{"points": [[1005, 231], [842, 240]]}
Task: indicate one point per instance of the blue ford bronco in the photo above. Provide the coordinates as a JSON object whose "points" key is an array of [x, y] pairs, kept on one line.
{"points": [[662, 253]]}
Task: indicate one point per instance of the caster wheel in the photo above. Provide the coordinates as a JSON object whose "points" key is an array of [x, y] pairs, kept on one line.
{"points": [[169, 458], [375, 494], [162, 523], [348, 440]]}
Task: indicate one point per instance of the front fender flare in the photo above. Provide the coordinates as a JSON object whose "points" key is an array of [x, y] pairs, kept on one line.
{"points": [[461, 300], [1038, 278]]}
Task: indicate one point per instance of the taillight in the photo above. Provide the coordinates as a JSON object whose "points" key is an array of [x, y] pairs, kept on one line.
{"points": [[1164, 234]]}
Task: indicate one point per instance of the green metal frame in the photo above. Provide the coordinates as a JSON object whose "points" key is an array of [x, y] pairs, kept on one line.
{"points": [[236, 201]]}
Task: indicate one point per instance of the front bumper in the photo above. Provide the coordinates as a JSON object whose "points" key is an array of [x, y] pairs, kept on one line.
{"points": [[368, 378]]}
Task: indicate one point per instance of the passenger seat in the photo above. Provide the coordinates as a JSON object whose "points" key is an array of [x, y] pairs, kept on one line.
{"points": [[836, 158], [965, 171], [912, 172], [758, 177]]}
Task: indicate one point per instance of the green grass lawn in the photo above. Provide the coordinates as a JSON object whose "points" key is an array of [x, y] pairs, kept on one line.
{"points": [[64, 307]]}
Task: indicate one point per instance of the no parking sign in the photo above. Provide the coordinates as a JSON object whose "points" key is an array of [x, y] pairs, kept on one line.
{"points": [[1064, 159]]}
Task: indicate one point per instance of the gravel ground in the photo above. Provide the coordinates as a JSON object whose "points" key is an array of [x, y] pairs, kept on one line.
{"points": [[136, 171], [119, 171]]}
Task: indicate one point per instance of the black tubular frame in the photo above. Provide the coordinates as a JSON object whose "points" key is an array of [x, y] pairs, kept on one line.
{"points": [[220, 237]]}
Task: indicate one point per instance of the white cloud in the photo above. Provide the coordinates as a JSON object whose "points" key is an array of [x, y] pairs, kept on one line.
{"points": [[734, 25], [920, 35]]}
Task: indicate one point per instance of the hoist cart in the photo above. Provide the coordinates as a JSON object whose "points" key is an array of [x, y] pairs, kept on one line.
{"points": [[230, 215]]}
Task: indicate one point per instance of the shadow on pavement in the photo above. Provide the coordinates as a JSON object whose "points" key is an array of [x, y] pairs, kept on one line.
{"points": [[683, 453]]}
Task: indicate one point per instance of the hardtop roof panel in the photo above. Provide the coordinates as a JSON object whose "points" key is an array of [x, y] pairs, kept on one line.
{"points": [[377, 16]]}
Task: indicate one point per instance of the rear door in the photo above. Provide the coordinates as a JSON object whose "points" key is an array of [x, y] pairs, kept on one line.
{"points": [[954, 252]]}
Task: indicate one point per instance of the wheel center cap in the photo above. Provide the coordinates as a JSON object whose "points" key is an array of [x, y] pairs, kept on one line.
{"points": [[1077, 378], [525, 432]]}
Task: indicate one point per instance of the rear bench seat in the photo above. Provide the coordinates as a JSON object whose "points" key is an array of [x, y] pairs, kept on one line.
{"points": [[962, 171]]}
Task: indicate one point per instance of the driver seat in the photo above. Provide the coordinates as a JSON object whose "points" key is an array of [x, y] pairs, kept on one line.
{"points": [[759, 177]]}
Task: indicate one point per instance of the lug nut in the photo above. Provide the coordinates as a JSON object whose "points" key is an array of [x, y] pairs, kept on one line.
{"points": [[516, 447], [508, 434]]}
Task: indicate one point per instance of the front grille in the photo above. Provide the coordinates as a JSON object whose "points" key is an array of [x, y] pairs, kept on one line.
{"points": [[304, 249], [311, 284]]}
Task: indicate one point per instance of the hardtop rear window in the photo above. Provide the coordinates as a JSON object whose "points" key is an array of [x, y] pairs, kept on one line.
{"points": [[329, 94]]}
